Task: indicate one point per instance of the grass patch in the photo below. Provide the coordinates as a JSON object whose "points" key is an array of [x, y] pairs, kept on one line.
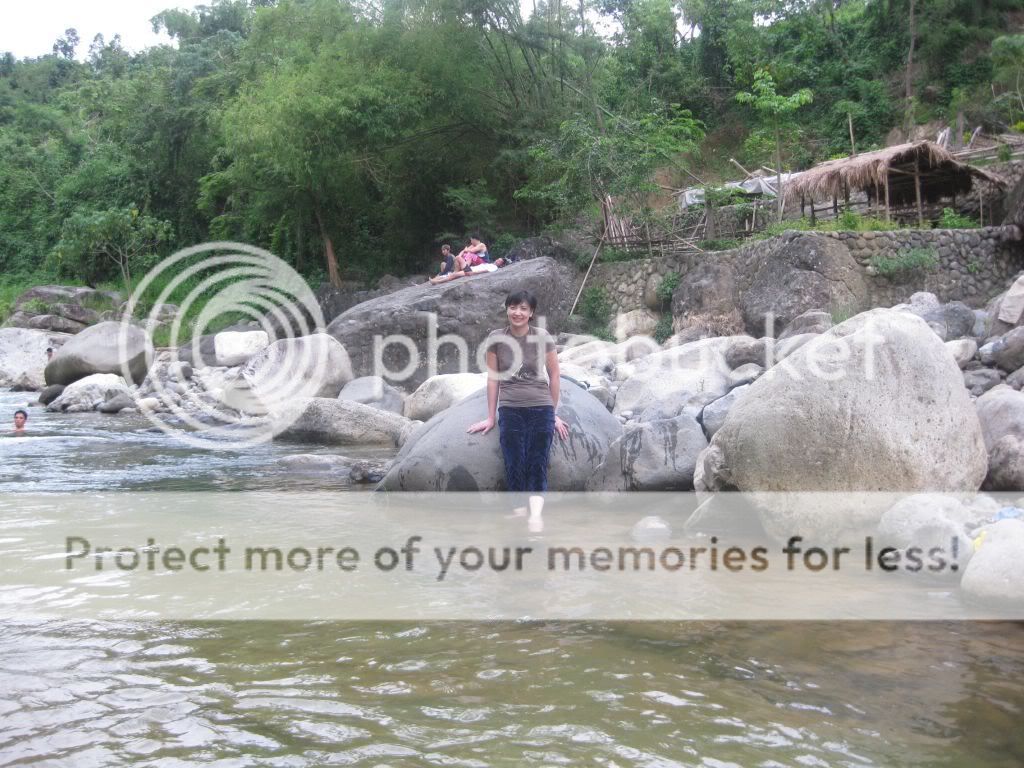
{"points": [[613, 255], [953, 220], [848, 221], [596, 310], [667, 287], [11, 287], [729, 324], [35, 307], [663, 330], [905, 263], [195, 302], [722, 244]]}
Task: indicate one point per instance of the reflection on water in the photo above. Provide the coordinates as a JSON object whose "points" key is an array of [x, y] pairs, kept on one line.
{"points": [[454, 694]]}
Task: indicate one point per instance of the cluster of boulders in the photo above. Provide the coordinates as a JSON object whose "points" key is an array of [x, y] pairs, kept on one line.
{"points": [[62, 309], [919, 397]]}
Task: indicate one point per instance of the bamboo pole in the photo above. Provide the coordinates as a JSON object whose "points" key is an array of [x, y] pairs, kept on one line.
{"points": [[592, 261], [853, 144], [888, 210], [917, 192]]}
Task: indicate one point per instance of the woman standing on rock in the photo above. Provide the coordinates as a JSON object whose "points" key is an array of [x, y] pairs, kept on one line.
{"points": [[523, 378]]}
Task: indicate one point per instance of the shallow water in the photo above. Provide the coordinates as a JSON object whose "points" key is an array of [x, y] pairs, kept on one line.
{"points": [[470, 694], [97, 452]]}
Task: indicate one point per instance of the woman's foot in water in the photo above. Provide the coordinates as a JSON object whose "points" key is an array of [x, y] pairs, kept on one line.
{"points": [[535, 522]]}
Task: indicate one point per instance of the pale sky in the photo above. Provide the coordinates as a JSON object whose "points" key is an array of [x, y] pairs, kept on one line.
{"points": [[30, 27]]}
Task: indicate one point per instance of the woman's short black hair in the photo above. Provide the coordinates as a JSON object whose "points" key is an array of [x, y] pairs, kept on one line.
{"points": [[22, 412], [521, 297]]}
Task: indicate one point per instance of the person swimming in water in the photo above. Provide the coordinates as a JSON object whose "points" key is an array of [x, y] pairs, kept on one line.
{"points": [[20, 417]]}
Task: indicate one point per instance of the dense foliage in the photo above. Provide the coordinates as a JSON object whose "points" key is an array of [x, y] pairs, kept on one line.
{"points": [[350, 137]]}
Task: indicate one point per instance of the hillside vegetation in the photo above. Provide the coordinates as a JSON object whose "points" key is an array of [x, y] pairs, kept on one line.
{"points": [[351, 138]]}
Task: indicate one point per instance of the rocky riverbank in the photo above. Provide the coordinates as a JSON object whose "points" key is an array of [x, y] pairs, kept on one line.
{"points": [[920, 397]]}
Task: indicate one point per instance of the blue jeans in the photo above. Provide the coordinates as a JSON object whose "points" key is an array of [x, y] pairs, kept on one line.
{"points": [[525, 436]]}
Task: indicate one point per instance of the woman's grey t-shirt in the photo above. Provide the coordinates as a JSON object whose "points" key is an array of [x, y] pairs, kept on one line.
{"points": [[526, 386]]}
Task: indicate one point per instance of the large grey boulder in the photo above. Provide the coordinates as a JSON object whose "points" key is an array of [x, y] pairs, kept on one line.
{"points": [[468, 309], [996, 571], [23, 356], [202, 350], [330, 421], [375, 392], [61, 308], [929, 520], [1006, 311], [954, 320], [88, 393], [812, 321], [48, 394], [53, 323], [1016, 379], [747, 351], [541, 247], [636, 322], [102, 348], [951, 321], [981, 380], [876, 403], [807, 272], [593, 354], [237, 347], [710, 288], [118, 402], [307, 366], [714, 414], [1001, 413], [441, 392], [652, 456], [1006, 465], [695, 373], [962, 350], [441, 456], [1008, 352]]}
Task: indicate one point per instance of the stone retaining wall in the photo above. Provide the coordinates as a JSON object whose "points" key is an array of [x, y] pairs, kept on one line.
{"points": [[974, 265]]}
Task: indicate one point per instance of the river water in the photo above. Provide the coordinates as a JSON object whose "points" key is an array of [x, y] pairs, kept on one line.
{"points": [[469, 694]]}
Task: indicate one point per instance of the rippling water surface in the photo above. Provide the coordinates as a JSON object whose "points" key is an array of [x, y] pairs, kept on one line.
{"points": [[456, 694]]}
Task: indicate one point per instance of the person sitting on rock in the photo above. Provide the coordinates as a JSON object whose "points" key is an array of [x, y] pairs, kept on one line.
{"points": [[475, 253], [447, 261], [20, 417]]}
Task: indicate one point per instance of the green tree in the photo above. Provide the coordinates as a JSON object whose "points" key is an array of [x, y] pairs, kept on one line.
{"points": [[304, 142], [1008, 56], [776, 110], [586, 163], [91, 242], [66, 45]]}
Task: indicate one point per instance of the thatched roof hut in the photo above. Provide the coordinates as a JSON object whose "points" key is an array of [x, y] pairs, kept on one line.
{"points": [[904, 175]]}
